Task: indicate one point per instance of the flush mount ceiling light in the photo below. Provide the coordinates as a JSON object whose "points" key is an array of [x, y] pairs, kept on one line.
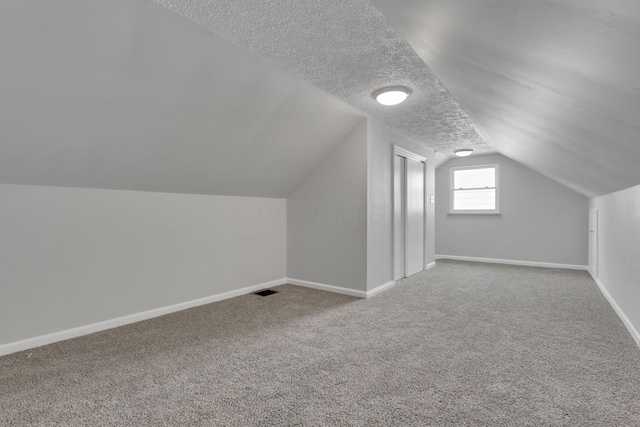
{"points": [[463, 152], [392, 95]]}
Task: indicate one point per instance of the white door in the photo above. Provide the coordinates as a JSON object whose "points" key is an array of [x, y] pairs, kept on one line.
{"points": [[593, 242], [399, 185], [414, 223]]}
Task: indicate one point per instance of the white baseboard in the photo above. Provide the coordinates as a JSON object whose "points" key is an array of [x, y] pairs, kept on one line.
{"points": [[328, 288], [341, 290], [125, 320], [149, 314], [514, 262], [632, 330], [430, 266], [381, 288]]}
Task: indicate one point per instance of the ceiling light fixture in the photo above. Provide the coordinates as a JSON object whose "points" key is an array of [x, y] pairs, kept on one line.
{"points": [[463, 152], [392, 95]]}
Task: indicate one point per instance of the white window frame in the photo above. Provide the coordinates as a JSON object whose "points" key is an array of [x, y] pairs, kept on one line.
{"points": [[495, 211]]}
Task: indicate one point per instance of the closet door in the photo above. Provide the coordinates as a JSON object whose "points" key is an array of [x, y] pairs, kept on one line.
{"points": [[414, 222], [399, 186]]}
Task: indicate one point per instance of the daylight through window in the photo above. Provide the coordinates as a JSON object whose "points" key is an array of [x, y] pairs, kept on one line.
{"points": [[474, 189]]}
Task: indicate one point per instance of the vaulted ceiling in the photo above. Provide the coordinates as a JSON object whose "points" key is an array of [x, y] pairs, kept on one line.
{"points": [[245, 97], [553, 84], [349, 49], [126, 95]]}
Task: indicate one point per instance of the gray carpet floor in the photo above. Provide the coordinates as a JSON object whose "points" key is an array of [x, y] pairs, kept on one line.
{"points": [[464, 344]]}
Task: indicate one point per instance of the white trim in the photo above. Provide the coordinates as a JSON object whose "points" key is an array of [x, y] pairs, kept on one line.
{"points": [[402, 152], [341, 290], [430, 266], [381, 288], [625, 320], [125, 320], [632, 330], [474, 213], [453, 169], [408, 154], [397, 224], [514, 262], [328, 288], [593, 246], [30, 343]]}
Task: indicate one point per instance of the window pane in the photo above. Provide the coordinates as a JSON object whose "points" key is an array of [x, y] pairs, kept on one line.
{"points": [[474, 178], [475, 200]]}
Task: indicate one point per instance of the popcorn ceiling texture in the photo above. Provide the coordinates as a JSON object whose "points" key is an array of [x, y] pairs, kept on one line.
{"points": [[348, 49]]}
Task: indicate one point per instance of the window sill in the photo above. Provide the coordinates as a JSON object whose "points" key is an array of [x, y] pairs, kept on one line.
{"points": [[473, 213]]}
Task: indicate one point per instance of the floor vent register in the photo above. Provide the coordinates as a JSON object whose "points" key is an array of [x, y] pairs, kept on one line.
{"points": [[265, 293]]}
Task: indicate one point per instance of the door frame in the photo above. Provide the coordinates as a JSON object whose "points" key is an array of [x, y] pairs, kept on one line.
{"points": [[593, 242], [402, 152]]}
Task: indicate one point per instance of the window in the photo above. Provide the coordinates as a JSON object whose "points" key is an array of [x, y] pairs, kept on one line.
{"points": [[474, 189]]}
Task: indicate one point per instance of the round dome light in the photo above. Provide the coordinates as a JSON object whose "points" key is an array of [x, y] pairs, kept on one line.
{"points": [[392, 95], [463, 152]]}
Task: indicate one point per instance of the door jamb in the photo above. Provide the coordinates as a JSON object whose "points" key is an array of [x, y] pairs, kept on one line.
{"points": [[402, 152]]}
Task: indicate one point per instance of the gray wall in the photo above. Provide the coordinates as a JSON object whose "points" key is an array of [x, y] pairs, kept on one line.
{"points": [[327, 218], [70, 257], [619, 250], [380, 202], [541, 220]]}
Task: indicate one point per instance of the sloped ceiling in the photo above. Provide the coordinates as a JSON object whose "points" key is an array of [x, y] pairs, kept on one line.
{"points": [[124, 94], [348, 49], [553, 84]]}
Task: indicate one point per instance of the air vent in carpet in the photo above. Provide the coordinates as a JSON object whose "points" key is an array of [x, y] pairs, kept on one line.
{"points": [[266, 293]]}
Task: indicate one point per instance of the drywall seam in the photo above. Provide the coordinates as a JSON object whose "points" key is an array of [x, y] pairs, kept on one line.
{"points": [[514, 262], [632, 330], [125, 320]]}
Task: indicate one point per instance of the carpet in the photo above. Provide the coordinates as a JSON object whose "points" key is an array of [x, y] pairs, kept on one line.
{"points": [[463, 344]]}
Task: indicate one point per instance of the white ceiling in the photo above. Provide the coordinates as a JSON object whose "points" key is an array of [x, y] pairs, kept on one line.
{"points": [[127, 95], [553, 84], [348, 49]]}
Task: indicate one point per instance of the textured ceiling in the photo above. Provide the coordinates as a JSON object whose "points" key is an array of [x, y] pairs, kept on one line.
{"points": [[128, 94], [348, 49], [553, 84]]}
